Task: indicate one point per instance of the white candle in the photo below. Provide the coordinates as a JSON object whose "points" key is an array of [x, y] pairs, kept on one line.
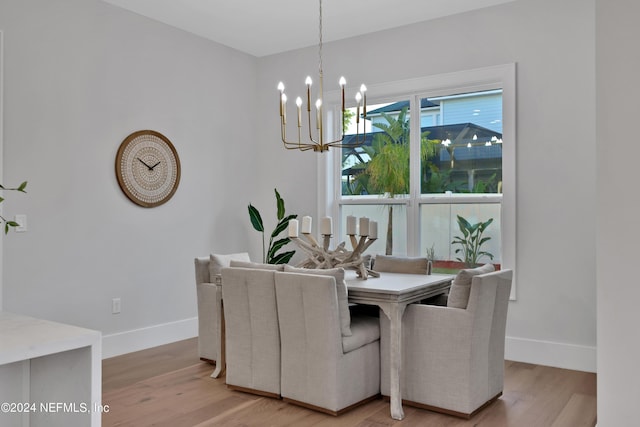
{"points": [[293, 228], [284, 108], [351, 225], [326, 226], [306, 225], [299, 105], [319, 113], [373, 229], [364, 226]]}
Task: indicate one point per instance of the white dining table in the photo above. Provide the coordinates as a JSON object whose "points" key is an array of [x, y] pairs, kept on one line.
{"points": [[392, 292]]}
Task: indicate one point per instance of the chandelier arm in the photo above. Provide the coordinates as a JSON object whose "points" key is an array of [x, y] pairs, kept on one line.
{"points": [[297, 146], [310, 133], [339, 144], [304, 147], [292, 145], [360, 139]]}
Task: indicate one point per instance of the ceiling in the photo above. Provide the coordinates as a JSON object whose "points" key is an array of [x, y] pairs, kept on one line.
{"points": [[265, 27]]}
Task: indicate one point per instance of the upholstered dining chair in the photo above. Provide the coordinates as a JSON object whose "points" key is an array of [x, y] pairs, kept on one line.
{"points": [[406, 265], [322, 368], [396, 264], [252, 335], [209, 300], [453, 358]]}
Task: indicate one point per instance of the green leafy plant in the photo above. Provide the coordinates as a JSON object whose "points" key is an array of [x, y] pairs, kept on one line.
{"points": [[275, 244], [9, 224], [471, 241]]}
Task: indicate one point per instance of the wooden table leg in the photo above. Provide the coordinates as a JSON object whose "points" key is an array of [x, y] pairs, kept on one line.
{"points": [[394, 312], [221, 363]]}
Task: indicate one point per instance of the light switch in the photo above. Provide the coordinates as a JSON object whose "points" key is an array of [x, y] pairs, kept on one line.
{"points": [[21, 219]]}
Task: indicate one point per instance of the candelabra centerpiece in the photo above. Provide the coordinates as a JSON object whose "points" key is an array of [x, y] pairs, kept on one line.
{"points": [[321, 256]]}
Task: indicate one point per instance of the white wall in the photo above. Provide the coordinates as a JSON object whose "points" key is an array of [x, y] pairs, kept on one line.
{"points": [[617, 70], [80, 75], [554, 319]]}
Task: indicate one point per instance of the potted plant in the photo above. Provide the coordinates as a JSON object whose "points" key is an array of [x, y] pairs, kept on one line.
{"points": [[272, 256], [471, 241]]}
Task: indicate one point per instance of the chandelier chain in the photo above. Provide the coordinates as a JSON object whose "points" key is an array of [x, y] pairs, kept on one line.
{"points": [[320, 44]]}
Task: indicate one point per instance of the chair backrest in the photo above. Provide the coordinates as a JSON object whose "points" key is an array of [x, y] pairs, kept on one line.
{"points": [[208, 299], [391, 264], [503, 280], [202, 270], [490, 297], [308, 313], [491, 289], [251, 328]]}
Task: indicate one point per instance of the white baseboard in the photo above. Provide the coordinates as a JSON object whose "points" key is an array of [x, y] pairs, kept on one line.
{"points": [[152, 336], [547, 353]]}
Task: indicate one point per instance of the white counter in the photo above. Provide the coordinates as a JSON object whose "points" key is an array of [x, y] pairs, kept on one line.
{"points": [[50, 373]]}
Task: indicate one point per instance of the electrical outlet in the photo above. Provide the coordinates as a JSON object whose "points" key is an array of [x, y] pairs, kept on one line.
{"points": [[116, 306]]}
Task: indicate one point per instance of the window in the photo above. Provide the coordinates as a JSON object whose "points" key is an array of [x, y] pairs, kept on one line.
{"points": [[415, 177]]}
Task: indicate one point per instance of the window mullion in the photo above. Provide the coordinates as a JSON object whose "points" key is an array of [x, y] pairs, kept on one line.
{"points": [[413, 213]]}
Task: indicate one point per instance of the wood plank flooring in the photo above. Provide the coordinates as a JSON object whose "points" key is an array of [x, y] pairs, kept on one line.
{"points": [[169, 386]]}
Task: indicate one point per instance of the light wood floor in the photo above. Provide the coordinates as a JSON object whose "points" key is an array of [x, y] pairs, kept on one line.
{"points": [[169, 386]]}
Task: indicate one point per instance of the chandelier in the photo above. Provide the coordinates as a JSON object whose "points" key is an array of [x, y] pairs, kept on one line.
{"points": [[317, 142]]}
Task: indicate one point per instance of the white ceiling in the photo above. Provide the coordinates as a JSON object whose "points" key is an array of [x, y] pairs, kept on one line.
{"points": [[264, 27]]}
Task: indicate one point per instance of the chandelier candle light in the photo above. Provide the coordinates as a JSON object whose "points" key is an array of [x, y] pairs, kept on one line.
{"points": [[318, 143], [322, 257]]}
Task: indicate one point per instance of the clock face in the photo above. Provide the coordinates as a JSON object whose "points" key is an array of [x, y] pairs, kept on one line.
{"points": [[148, 168]]}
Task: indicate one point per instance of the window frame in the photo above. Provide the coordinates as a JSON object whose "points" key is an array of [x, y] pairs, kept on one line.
{"points": [[503, 77]]}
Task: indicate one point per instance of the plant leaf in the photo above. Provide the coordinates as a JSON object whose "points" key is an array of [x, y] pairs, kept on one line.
{"points": [[282, 258], [280, 205], [489, 254], [22, 187], [256, 219], [275, 246], [282, 225], [485, 224], [484, 239]]}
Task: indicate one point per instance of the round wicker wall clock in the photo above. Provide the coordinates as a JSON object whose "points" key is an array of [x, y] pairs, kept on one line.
{"points": [[148, 168]]}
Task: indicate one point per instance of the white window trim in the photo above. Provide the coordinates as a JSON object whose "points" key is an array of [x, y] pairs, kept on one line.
{"points": [[476, 80]]}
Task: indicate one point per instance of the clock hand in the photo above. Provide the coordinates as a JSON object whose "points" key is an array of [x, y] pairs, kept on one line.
{"points": [[152, 167], [141, 161]]}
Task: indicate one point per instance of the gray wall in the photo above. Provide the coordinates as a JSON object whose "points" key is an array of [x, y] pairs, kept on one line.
{"points": [[80, 75], [617, 65]]}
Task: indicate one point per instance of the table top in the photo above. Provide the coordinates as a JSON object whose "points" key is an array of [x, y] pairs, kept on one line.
{"points": [[396, 287], [24, 337]]}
